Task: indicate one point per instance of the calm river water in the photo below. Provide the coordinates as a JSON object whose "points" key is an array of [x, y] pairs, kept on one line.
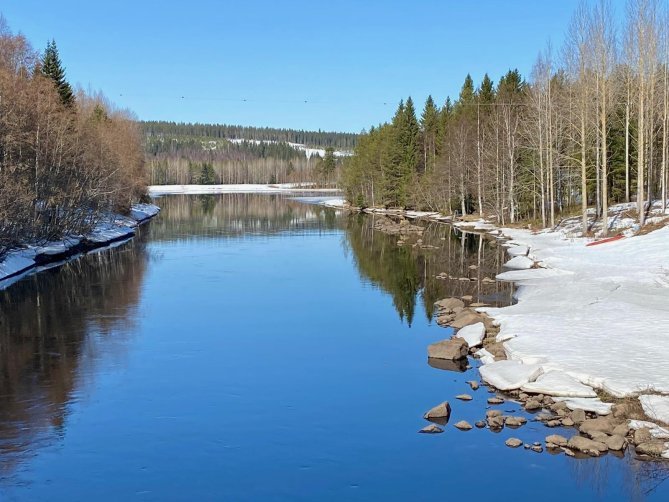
{"points": [[253, 347]]}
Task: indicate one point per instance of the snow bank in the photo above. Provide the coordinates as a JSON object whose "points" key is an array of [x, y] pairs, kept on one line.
{"points": [[485, 356], [16, 262], [517, 251], [472, 334], [243, 188], [557, 383], [655, 430], [116, 228], [142, 212], [596, 313], [519, 263], [509, 375], [656, 407], [594, 405]]}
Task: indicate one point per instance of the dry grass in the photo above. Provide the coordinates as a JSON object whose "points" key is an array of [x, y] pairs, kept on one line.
{"points": [[651, 227]]}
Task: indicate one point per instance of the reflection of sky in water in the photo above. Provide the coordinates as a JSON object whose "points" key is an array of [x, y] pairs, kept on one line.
{"points": [[244, 353]]}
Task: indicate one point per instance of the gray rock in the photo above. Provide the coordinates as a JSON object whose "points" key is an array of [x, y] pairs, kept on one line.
{"points": [[463, 425], [642, 435], [431, 429], [621, 430], [515, 421], [553, 423], [465, 318], [600, 424], [450, 305], [598, 436], [473, 384], [495, 400], [578, 416], [513, 442], [585, 445], [464, 397], [651, 448], [559, 406], [496, 422], [621, 410], [532, 404], [442, 411], [493, 413], [480, 424], [568, 452], [451, 350], [616, 442], [557, 440], [567, 422], [537, 449]]}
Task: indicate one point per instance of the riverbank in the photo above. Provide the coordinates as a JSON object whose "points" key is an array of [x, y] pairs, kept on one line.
{"points": [[587, 328], [111, 230]]}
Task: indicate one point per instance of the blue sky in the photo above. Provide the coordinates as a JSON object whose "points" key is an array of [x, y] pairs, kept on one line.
{"points": [[351, 61]]}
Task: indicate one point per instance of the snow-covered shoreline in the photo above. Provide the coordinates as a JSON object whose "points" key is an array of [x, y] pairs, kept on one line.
{"points": [[289, 188], [592, 315], [117, 228], [595, 313]]}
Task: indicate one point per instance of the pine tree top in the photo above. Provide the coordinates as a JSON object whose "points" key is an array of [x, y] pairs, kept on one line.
{"points": [[52, 67]]}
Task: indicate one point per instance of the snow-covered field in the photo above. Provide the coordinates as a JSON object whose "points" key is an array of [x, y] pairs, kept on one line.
{"points": [[242, 188], [19, 262], [598, 314], [309, 152]]}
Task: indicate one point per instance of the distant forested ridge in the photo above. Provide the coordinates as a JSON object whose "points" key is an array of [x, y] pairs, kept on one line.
{"points": [[589, 126], [179, 153], [314, 139]]}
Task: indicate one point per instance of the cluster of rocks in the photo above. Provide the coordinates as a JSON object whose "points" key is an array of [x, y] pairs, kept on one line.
{"points": [[460, 313]]}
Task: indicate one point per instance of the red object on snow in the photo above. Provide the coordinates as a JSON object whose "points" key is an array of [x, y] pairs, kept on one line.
{"points": [[609, 239]]}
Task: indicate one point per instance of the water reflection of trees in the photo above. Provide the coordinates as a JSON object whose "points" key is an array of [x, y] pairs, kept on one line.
{"points": [[237, 215], [409, 272], [51, 328]]}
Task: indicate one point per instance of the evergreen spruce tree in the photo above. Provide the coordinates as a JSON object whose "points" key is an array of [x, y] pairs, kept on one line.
{"points": [[52, 68], [429, 123]]}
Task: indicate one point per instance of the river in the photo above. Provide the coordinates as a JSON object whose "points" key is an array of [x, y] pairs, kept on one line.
{"points": [[255, 347]]}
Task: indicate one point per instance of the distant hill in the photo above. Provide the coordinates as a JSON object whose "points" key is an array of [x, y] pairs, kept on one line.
{"points": [[179, 153], [312, 139]]}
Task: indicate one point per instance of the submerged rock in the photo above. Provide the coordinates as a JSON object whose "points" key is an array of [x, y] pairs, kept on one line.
{"points": [[515, 421], [463, 425], [513, 442], [556, 440], [587, 446], [431, 429], [473, 384]]}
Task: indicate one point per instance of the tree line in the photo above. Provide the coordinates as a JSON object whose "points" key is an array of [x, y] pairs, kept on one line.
{"points": [[315, 139], [173, 159], [590, 127], [66, 158]]}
